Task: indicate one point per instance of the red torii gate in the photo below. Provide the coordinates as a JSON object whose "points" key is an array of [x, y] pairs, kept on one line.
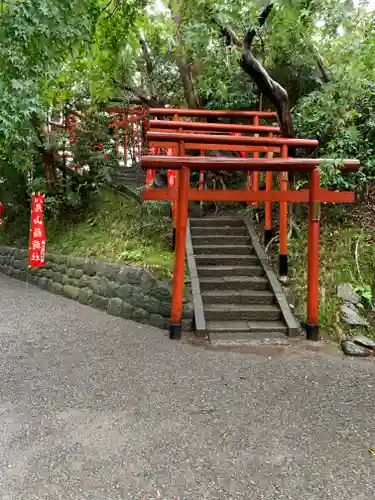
{"points": [[232, 129], [254, 116], [254, 145], [314, 195]]}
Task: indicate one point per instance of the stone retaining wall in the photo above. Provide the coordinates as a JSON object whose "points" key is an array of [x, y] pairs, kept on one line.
{"points": [[129, 292]]}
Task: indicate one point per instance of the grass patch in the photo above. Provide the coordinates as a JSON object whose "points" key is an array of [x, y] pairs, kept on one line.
{"points": [[338, 264], [118, 230]]}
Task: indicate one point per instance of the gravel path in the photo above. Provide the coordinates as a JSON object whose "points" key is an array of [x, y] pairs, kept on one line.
{"points": [[95, 407]]}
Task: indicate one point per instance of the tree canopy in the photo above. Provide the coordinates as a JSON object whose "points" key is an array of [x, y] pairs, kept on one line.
{"points": [[312, 61]]}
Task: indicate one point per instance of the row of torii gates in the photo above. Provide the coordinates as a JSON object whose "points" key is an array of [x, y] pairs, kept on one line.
{"points": [[252, 140], [261, 150]]}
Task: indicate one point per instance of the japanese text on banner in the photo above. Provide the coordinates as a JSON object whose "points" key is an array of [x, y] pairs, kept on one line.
{"points": [[37, 249]]}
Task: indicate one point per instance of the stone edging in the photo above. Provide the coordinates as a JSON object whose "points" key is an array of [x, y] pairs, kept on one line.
{"points": [[291, 322], [126, 291], [199, 318]]}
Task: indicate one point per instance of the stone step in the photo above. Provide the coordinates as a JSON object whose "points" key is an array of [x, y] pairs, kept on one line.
{"points": [[234, 283], [220, 231], [226, 260], [129, 177], [249, 339], [222, 249], [238, 297], [217, 222], [224, 271], [231, 328], [221, 240], [241, 312]]}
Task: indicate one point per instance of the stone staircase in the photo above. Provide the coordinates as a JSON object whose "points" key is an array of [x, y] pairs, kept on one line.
{"points": [[240, 295], [130, 176]]}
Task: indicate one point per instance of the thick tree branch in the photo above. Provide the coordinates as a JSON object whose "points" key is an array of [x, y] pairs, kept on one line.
{"points": [[149, 63], [228, 34], [250, 35], [147, 56], [255, 69], [149, 100], [324, 73]]}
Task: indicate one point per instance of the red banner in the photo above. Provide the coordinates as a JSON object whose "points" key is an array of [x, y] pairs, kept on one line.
{"points": [[201, 175], [172, 181], [150, 177], [238, 134], [37, 249]]}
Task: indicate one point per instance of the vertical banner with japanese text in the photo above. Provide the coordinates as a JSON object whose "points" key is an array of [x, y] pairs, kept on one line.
{"points": [[37, 249]]}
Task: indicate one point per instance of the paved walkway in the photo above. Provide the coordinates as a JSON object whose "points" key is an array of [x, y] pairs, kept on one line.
{"points": [[94, 407]]}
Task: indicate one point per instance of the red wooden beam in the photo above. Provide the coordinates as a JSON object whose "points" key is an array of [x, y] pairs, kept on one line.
{"points": [[302, 196], [219, 127], [260, 164], [216, 147], [207, 112], [229, 139]]}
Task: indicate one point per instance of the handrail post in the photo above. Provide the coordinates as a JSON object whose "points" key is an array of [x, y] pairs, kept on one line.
{"points": [[268, 232], [283, 253], [312, 327], [179, 263]]}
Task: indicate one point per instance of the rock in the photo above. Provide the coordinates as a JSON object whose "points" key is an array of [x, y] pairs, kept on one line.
{"points": [[350, 348], [85, 296], [187, 325], [165, 309], [89, 268], [138, 299], [127, 311], [188, 310], [57, 288], [79, 262], [285, 281], [42, 282], [112, 288], [99, 302], [135, 276], [64, 279], [122, 276], [156, 320], [57, 277], [125, 291], [162, 291], [71, 292], [147, 281], [71, 272], [78, 274], [347, 293], [111, 271], [49, 274], [152, 305], [141, 316], [351, 315], [114, 307], [364, 341]]}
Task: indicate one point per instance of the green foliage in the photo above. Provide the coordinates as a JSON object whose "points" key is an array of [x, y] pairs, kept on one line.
{"points": [[338, 264], [341, 112]]}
